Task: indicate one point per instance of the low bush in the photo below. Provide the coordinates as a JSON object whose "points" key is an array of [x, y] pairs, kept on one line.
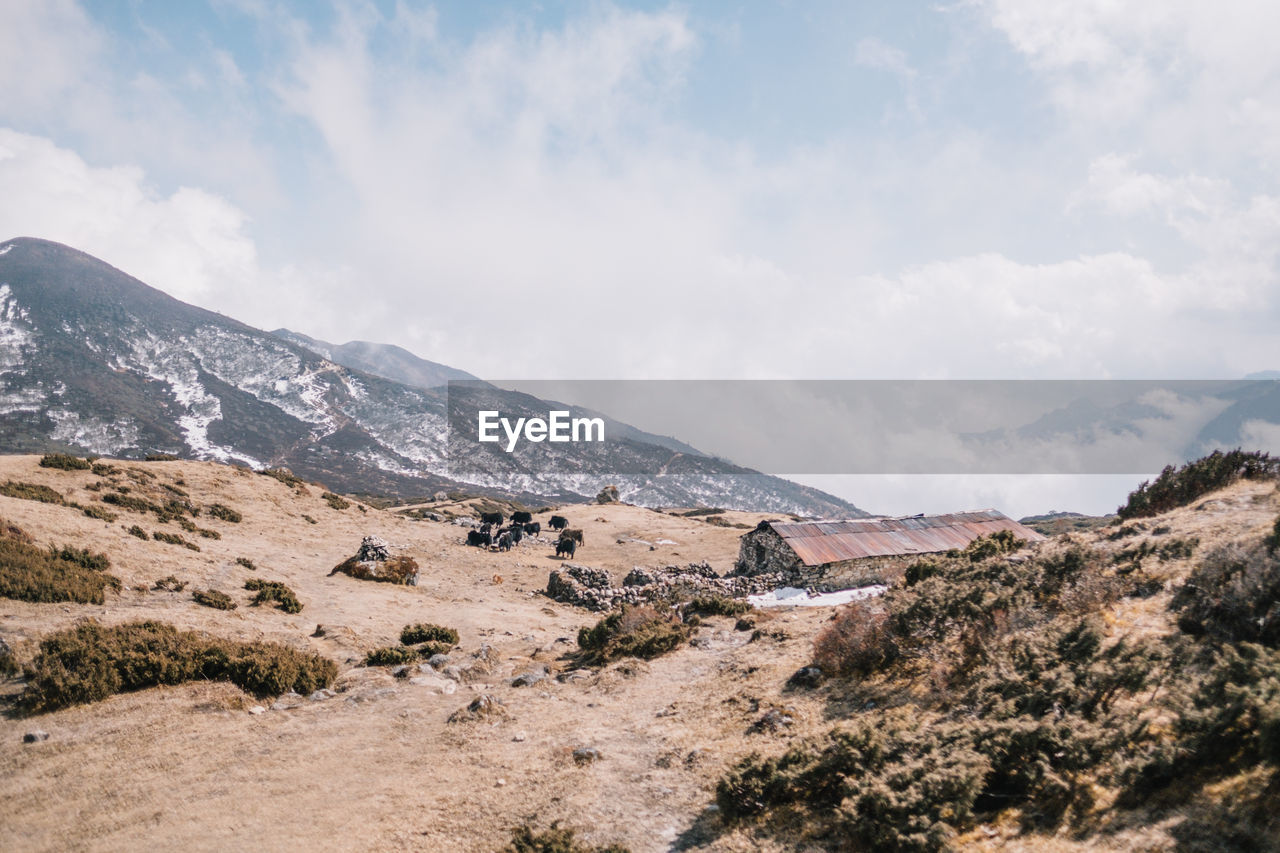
{"points": [[335, 501], [391, 656], [247, 563], [308, 519], [224, 513], [174, 539], [717, 605], [213, 598], [857, 642], [1272, 542], [1177, 487], [273, 592], [169, 584], [102, 469], [100, 513], [638, 631], [31, 573], [208, 534], [31, 492], [287, 477], [1233, 595], [172, 489], [65, 462], [90, 662], [555, 839], [129, 502], [137, 531], [160, 457], [421, 632]]}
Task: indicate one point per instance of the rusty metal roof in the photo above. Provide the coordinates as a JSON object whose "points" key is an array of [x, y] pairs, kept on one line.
{"points": [[819, 542]]}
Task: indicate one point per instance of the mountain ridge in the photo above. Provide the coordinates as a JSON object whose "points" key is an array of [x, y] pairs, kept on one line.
{"points": [[93, 360]]}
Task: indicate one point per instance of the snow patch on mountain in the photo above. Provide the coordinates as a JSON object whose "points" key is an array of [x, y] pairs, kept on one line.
{"points": [[16, 332], [105, 438]]}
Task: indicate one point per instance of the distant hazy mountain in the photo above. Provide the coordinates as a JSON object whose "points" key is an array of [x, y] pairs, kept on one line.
{"points": [[94, 361], [386, 360]]}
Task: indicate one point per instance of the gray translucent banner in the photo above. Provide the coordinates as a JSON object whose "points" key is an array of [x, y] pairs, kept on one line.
{"points": [[860, 426]]}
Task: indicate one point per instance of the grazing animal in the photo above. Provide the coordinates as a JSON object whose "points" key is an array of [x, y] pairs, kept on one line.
{"points": [[516, 532], [558, 522], [475, 537], [491, 517], [504, 542], [566, 547], [575, 535], [533, 528], [486, 528], [521, 517]]}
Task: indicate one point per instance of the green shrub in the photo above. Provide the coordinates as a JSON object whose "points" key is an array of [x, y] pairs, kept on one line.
{"points": [[432, 648], [1233, 595], [208, 534], [308, 519], [287, 477], [125, 501], [273, 592], [224, 513], [1272, 542], [30, 573], [639, 631], [1177, 487], [247, 563], [65, 462], [31, 492], [391, 656], [421, 632], [91, 662], [717, 605], [169, 487], [137, 531], [160, 457], [335, 501], [213, 598], [100, 513], [169, 584], [102, 469], [556, 839], [174, 539], [187, 525]]}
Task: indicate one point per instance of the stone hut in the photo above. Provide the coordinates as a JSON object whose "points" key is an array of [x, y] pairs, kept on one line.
{"points": [[833, 555]]}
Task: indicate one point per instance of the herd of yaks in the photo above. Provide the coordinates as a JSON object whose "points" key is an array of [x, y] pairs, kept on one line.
{"points": [[491, 533]]}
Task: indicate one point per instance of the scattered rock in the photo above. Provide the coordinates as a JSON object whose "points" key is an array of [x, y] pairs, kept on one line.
{"points": [[436, 683], [585, 755], [773, 720], [287, 702], [373, 548], [530, 677], [591, 588], [806, 677], [321, 695], [373, 561], [257, 709], [35, 736], [482, 707], [608, 495], [519, 737]]}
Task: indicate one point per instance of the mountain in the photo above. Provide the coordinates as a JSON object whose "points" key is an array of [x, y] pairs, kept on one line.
{"points": [[386, 360], [94, 361]]}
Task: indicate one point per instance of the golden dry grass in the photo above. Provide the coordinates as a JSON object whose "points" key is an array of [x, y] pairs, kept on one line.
{"points": [[377, 767]]}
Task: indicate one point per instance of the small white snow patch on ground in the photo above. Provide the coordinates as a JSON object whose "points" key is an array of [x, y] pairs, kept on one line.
{"points": [[790, 596], [4, 250]]}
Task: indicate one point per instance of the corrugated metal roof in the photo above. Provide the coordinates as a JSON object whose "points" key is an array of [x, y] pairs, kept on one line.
{"points": [[819, 542]]}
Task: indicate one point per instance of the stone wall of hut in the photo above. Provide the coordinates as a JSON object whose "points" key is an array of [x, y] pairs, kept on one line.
{"points": [[763, 551]]}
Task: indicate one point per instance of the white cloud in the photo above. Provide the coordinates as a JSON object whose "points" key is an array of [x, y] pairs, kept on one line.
{"points": [[191, 242]]}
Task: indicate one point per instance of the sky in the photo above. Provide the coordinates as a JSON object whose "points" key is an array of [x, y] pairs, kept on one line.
{"points": [[572, 190]]}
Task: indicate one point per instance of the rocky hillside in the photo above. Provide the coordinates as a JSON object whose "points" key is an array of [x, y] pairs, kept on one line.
{"points": [[94, 361], [1111, 689]]}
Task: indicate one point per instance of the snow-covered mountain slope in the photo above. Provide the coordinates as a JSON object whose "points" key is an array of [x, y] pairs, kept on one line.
{"points": [[94, 361]]}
